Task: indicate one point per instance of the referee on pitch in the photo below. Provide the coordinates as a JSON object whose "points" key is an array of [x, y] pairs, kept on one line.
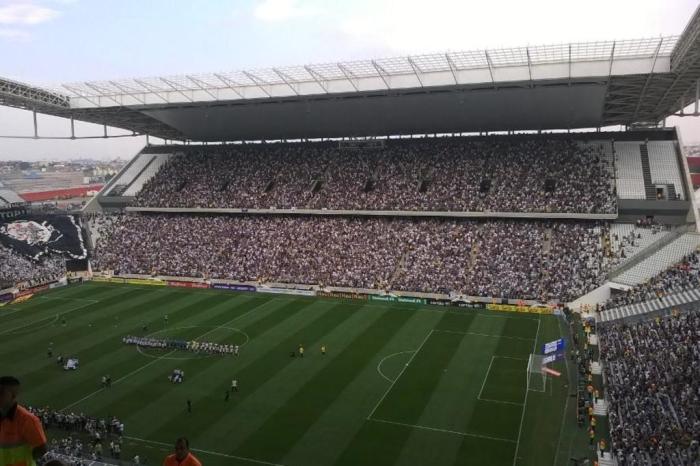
{"points": [[182, 455], [22, 439]]}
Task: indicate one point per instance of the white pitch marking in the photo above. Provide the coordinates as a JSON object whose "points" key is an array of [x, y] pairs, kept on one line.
{"points": [[215, 453], [12, 330], [435, 429], [483, 334], [527, 392], [158, 359], [379, 366], [400, 374]]}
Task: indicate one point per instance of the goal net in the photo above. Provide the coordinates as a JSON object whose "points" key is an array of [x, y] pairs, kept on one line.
{"points": [[536, 377]]}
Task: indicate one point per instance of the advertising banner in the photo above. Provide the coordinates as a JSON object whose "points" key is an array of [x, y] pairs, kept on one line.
{"points": [[60, 283], [290, 291], [143, 281], [514, 308], [22, 298], [342, 295], [451, 303], [397, 299], [232, 287], [386, 299], [4, 298], [36, 289], [553, 358], [179, 284], [411, 300], [109, 280], [553, 346]]}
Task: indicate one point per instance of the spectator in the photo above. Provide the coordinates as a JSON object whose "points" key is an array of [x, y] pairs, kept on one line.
{"points": [[182, 455], [653, 389], [496, 258], [22, 438], [438, 174]]}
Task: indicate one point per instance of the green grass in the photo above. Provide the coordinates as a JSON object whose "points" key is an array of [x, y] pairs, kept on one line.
{"points": [[400, 385]]}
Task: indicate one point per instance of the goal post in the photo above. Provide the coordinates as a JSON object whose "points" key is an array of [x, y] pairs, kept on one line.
{"points": [[536, 376]]}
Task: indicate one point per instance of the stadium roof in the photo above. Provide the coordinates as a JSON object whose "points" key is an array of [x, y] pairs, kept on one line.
{"points": [[566, 86]]}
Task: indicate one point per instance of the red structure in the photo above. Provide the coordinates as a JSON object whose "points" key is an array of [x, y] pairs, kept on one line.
{"points": [[56, 194]]}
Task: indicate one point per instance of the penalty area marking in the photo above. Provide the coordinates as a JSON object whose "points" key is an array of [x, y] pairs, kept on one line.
{"points": [[207, 452], [13, 331], [527, 392], [446, 431], [403, 369], [486, 376], [188, 358], [379, 366]]}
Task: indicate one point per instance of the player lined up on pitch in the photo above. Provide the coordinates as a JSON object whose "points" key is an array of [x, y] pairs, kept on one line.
{"points": [[184, 345]]}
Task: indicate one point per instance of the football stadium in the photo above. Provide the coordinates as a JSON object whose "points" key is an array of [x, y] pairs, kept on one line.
{"points": [[481, 257]]}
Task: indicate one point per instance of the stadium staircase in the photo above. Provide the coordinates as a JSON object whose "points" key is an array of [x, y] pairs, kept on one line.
{"points": [[671, 190], [600, 408], [661, 258], [596, 368], [399, 266], [667, 302], [606, 459], [649, 189], [650, 249]]}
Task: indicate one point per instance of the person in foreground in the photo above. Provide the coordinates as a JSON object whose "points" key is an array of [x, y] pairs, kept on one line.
{"points": [[182, 455], [22, 439]]}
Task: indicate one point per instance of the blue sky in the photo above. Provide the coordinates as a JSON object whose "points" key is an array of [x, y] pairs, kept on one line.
{"points": [[53, 41]]}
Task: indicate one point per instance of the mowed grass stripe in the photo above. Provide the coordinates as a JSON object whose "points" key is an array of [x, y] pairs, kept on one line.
{"points": [[544, 412], [158, 408], [499, 384], [309, 403], [265, 363], [98, 307], [382, 442], [31, 349], [293, 373], [142, 387], [412, 391], [347, 414], [100, 349], [452, 402], [43, 306], [33, 320], [253, 369]]}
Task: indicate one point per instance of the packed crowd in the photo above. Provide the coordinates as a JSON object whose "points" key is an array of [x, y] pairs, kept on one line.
{"points": [[16, 269], [98, 428], [448, 174], [517, 259], [193, 346], [680, 277], [653, 389]]}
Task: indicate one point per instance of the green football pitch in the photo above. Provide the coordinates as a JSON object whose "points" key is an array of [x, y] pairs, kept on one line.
{"points": [[399, 385]]}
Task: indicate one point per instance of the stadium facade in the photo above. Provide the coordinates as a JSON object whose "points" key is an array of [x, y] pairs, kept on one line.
{"points": [[508, 95]]}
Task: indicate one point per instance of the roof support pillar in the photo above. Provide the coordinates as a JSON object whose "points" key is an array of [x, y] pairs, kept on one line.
{"points": [[36, 127], [488, 61], [105, 130], [453, 68], [72, 127], [697, 95]]}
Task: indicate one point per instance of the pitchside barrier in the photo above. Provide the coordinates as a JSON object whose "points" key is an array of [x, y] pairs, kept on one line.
{"points": [[19, 296], [306, 290], [521, 308]]}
